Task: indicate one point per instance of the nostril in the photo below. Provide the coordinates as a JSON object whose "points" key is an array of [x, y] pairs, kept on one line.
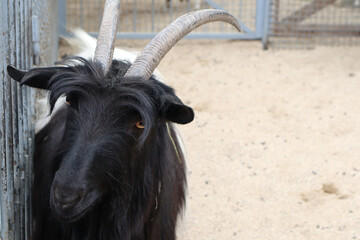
{"points": [[66, 197]]}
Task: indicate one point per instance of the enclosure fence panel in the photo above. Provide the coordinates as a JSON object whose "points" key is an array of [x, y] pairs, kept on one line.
{"points": [[307, 23], [280, 23], [145, 18], [20, 22]]}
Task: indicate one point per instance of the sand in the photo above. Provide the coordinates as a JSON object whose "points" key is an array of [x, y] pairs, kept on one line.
{"points": [[274, 150]]}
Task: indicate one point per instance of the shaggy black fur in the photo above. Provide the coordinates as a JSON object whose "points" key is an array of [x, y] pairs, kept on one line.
{"points": [[96, 174]]}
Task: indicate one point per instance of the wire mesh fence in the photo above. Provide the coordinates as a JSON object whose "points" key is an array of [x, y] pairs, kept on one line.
{"points": [[143, 18], [308, 23], [279, 23]]}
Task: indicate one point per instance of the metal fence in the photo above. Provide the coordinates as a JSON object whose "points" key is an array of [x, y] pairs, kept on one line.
{"points": [[144, 18], [278, 23], [307, 23], [26, 36]]}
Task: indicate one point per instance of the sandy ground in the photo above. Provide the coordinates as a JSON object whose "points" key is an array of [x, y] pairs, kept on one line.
{"points": [[274, 150]]}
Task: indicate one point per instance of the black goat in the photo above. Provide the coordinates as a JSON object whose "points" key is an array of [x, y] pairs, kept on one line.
{"points": [[108, 164]]}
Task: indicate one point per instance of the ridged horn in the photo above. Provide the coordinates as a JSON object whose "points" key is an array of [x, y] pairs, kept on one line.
{"points": [[105, 43], [150, 57]]}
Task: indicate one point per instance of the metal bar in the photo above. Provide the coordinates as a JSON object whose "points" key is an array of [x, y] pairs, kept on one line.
{"points": [[8, 104], [36, 39], [171, 10], [307, 11], [265, 34], [152, 16], [62, 17], [21, 127], [222, 24], [100, 11], [3, 56], [190, 36], [27, 104], [15, 125], [135, 16], [316, 30], [81, 13], [260, 14]]}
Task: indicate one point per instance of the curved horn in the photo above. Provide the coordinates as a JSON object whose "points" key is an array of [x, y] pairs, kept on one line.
{"points": [[150, 57], [105, 44]]}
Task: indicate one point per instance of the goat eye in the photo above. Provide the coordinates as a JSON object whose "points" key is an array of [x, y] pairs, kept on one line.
{"points": [[140, 125], [67, 101]]}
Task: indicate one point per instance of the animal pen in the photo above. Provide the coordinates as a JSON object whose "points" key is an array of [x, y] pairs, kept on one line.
{"points": [[29, 35], [277, 23]]}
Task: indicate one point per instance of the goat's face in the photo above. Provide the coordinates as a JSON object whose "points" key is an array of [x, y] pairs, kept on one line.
{"points": [[108, 132], [102, 134]]}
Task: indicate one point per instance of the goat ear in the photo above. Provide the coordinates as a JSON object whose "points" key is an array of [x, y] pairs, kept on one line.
{"points": [[36, 77], [177, 111]]}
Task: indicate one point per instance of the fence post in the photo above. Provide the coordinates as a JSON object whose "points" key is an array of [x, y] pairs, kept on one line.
{"points": [[262, 21], [62, 17], [260, 14], [266, 27]]}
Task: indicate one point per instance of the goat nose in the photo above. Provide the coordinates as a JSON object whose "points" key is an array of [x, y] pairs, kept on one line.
{"points": [[66, 197]]}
